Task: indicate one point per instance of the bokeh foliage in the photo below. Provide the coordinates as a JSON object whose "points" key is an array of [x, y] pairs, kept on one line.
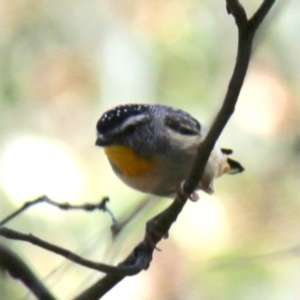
{"points": [[63, 63]]}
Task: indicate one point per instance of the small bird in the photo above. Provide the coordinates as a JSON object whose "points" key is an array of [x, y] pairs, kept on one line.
{"points": [[151, 148]]}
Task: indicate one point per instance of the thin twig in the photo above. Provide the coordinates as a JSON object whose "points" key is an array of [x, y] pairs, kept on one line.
{"points": [[118, 226], [102, 205], [21, 209], [124, 271]]}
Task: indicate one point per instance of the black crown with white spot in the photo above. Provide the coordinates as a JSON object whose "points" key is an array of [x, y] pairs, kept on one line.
{"points": [[116, 116]]}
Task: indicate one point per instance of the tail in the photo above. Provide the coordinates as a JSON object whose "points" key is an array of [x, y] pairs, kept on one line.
{"points": [[235, 167]]}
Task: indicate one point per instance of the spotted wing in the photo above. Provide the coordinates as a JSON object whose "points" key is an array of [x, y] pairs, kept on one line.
{"points": [[182, 123]]}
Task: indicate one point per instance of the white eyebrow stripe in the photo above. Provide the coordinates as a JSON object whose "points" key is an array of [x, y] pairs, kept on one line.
{"points": [[133, 120]]}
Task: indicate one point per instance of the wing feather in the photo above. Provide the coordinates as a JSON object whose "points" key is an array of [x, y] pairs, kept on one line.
{"points": [[182, 123]]}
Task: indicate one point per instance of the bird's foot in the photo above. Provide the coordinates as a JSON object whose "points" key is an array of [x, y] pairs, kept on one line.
{"points": [[193, 196]]}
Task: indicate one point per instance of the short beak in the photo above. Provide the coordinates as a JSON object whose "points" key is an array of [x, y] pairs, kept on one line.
{"points": [[98, 142], [102, 141]]}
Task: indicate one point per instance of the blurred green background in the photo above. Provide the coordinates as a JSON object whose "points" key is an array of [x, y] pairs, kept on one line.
{"points": [[63, 63]]}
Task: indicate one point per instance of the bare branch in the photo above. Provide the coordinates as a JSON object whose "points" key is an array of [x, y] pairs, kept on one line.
{"points": [[66, 206], [261, 13], [237, 10], [124, 271], [245, 34], [17, 268], [21, 209]]}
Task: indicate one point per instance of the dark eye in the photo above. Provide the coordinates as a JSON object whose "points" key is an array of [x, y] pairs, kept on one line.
{"points": [[130, 129], [186, 131]]}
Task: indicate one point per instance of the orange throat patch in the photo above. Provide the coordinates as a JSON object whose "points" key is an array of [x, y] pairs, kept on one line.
{"points": [[127, 161]]}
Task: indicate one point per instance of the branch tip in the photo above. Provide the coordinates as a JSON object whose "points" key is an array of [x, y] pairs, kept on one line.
{"points": [[235, 8]]}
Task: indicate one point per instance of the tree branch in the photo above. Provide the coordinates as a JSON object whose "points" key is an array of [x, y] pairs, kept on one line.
{"points": [[246, 32], [128, 270], [237, 10], [261, 13], [66, 206], [17, 268]]}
